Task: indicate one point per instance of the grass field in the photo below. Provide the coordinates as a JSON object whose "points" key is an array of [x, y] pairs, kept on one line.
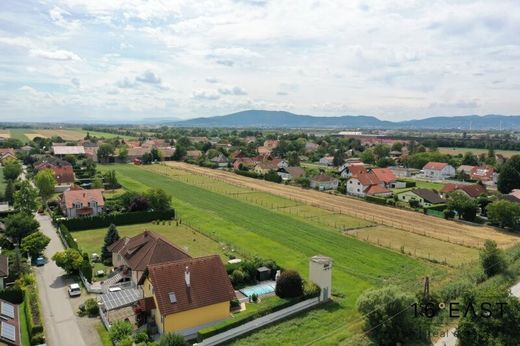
{"points": [[5, 133], [477, 151], [72, 134], [26, 340], [19, 133], [3, 183], [194, 243], [421, 184], [417, 245], [255, 230]]}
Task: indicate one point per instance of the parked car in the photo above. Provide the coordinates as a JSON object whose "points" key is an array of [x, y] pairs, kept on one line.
{"points": [[40, 261], [74, 290]]}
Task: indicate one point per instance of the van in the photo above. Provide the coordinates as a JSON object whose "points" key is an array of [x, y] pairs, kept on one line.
{"points": [[74, 290]]}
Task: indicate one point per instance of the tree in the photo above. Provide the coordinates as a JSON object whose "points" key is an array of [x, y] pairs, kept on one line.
{"points": [[104, 152], [9, 192], [171, 339], [389, 318], [120, 330], [504, 214], [492, 259], [25, 198], [397, 146], [139, 203], [111, 237], [367, 156], [147, 158], [293, 158], [381, 151], [97, 183], [90, 167], [156, 154], [20, 225], [289, 285], [509, 177], [35, 243], [69, 260], [45, 182], [385, 162], [180, 152], [338, 158], [158, 199], [110, 178], [469, 159], [123, 153], [465, 206], [12, 169]]}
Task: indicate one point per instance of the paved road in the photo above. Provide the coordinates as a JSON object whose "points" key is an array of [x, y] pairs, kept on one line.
{"points": [[60, 322]]}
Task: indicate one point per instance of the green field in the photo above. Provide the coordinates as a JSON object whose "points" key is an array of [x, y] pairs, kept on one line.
{"points": [[420, 184], [19, 134], [2, 181], [252, 229], [476, 151], [26, 134]]}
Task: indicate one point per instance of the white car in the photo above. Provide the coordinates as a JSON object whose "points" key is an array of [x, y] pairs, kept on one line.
{"points": [[74, 290]]}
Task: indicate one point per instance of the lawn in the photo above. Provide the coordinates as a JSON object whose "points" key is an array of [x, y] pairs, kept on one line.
{"points": [[104, 336], [253, 230], [477, 151], [26, 340], [422, 184], [194, 243], [3, 183], [418, 245]]}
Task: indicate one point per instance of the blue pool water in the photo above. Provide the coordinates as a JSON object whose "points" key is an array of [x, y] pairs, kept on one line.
{"points": [[260, 289]]}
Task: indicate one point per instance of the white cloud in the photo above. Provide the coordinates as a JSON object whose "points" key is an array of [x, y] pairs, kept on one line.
{"points": [[205, 95], [60, 55], [212, 80], [148, 77], [232, 91]]}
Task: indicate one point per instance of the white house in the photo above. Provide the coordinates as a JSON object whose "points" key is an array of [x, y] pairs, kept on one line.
{"points": [[366, 184], [438, 170], [75, 203], [221, 161], [327, 160], [324, 182]]}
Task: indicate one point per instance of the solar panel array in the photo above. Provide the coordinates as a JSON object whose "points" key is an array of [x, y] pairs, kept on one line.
{"points": [[7, 309], [173, 297], [8, 331], [125, 297]]}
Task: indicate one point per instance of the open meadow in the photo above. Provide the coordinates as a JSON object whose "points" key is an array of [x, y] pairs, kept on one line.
{"points": [[68, 134], [263, 227], [476, 151]]}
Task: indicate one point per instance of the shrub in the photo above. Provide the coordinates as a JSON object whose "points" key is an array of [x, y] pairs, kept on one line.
{"points": [[91, 307], [237, 277], [120, 330], [12, 294], [410, 184], [171, 339], [311, 290], [141, 337], [37, 339], [289, 285], [377, 200], [235, 303], [254, 298]]}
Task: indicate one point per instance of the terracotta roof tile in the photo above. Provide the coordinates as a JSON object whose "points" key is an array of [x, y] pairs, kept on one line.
{"points": [[83, 196], [435, 165], [384, 174]]}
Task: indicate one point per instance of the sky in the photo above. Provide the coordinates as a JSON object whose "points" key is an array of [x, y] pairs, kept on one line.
{"points": [[72, 60]]}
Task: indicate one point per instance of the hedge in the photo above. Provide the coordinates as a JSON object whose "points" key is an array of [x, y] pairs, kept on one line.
{"points": [[69, 239], [105, 220], [12, 295], [33, 315], [437, 207], [408, 183], [377, 200], [249, 174], [214, 330]]}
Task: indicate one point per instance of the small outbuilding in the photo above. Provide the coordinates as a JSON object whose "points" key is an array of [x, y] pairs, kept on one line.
{"points": [[263, 274]]}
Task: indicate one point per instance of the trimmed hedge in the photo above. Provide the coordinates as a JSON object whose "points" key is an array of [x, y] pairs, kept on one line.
{"points": [[376, 200], [12, 295], [249, 174], [408, 183], [437, 207], [33, 315], [105, 220], [68, 237]]}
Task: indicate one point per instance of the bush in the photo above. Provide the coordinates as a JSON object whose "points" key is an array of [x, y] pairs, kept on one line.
{"points": [[12, 294], [120, 330], [69, 239], [249, 174], [254, 298], [289, 285], [171, 339], [105, 220], [37, 339], [91, 307], [141, 337], [311, 290], [33, 313], [410, 184], [377, 200]]}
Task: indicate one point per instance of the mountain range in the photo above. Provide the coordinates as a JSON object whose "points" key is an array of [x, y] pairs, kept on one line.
{"points": [[282, 119]]}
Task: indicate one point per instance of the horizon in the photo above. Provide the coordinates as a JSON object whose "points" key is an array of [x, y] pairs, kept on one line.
{"points": [[397, 61]]}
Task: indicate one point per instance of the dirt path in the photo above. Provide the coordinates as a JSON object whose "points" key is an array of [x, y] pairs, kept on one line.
{"points": [[450, 231]]}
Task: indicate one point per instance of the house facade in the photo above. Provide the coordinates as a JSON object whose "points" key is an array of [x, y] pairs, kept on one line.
{"points": [[324, 182], [425, 197], [76, 203], [366, 184], [438, 170]]}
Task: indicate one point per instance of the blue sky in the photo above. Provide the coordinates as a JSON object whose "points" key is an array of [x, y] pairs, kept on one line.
{"points": [[98, 59]]}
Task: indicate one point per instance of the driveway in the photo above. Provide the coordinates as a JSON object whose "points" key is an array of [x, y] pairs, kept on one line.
{"points": [[61, 325]]}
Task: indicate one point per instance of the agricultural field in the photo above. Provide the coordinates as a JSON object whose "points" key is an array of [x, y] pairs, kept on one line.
{"points": [[192, 242], [2, 181], [5, 133], [477, 151], [252, 229], [72, 134], [19, 133], [417, 245]]}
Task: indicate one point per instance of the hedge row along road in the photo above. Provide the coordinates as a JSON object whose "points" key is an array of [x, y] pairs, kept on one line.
{"points": [[406, 220]]}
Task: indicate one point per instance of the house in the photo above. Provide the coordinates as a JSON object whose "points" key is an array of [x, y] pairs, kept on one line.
{"points": [[244, 162], [471, 190], [10, 333], [311, 147], [265, 167], [280, 163], [188, 294], [198, 139], [193, 154], [366, 183], [136, 153], [438, 170], [63, 172], [237, 154], [425, 197], [403, 172], [388, 178], [465, 169], [79, 202], [4, 270], [62, 150], [348, 170], [7, 155], [166, 152], [221, 161], [133, 255], [482, 173], [327, 160], [263, 150], [290, 173], [324, 182]]}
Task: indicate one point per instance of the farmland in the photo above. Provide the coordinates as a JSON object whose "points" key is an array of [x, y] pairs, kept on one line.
{"points": [[477, 151], [260, 225], [5, 133], [72, 134], [2, 181]]}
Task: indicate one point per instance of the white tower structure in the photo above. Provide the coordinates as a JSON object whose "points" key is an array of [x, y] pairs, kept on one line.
{"points": [[320, 272]]}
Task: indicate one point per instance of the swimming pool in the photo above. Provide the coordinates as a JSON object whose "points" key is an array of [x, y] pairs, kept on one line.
{"points": [[259, 290]]}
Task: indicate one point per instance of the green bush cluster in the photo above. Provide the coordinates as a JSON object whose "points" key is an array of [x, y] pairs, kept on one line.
{"points": [[105, 220], [376, 200], [69, 239], [12, 294], [244, 273], [33, 315]]}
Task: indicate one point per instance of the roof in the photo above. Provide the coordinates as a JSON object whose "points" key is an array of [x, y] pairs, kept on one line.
{"points": [[515, 193], [429, 196], [482, 173], [63, 174], [194, 153], [465, 168], [356, 169], [384, 174], [68, 150], [4, 266], [9, 323], [208, 284], [267, 165], [138, 151], [83, 196], [295, 171], [220, 159], [376, 189], [49, 162], [435, 165], [166, 151], [368, 178], [323, 178], [473, 190], [145, 249], [7, 150]]}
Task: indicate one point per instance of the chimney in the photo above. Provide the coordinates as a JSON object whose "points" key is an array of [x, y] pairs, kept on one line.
{"points": [[187, 278]]}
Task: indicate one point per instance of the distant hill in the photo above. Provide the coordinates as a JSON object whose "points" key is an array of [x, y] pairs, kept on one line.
{"points": [[281, 119]]}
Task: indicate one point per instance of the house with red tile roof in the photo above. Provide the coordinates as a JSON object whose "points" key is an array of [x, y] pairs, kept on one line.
{"points": [[482, 173], [63, 173], [79, 202], [438, 170], [133, 255], [366, 183], [271, 143], [244, 161], [188, 294], [351, 168], [471, 190]]}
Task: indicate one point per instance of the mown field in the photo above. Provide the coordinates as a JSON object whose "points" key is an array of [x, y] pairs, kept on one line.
{"points": [[259, 226], [477, 151], [72, 134], [2, 181]]}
